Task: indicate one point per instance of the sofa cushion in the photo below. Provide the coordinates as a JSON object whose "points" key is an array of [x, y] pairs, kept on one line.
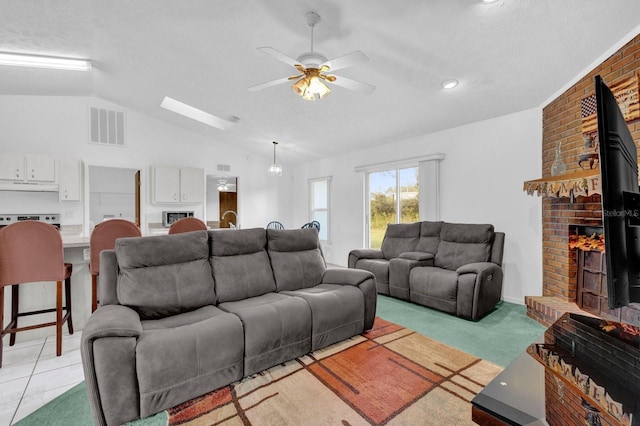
{"points": [[434, 287], [196, 353], [240, 264], [400, 238], [461, 244], [164, 275], [277, 328], [295, 257], [429, 237], [337, 312]]}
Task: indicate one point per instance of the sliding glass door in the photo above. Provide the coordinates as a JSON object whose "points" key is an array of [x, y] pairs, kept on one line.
{"points": [[392, 198]]}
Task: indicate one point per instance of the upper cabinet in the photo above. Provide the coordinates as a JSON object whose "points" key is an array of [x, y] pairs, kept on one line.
{"points": [[177, 185], [70, 180], [27, 168], [12, 167], [44, 173], [30, 172], [40, 168]]}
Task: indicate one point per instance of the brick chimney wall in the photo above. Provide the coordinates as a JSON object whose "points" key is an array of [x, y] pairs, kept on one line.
{"points": [[562, 123]]}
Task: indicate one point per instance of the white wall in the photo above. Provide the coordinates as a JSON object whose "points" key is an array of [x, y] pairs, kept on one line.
{"points": [[59, 126], [481, 182]]}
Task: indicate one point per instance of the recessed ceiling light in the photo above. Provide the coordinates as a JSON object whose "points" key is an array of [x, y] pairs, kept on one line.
{"points": [[489, 1], [195, 113], [37, 61], [449, 84]]}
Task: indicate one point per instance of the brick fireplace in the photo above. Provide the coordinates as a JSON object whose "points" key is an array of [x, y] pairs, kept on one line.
{"points": [[563, 127]]}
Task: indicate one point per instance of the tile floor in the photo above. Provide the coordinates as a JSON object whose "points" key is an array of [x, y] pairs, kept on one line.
{"points": [[32, 374]]}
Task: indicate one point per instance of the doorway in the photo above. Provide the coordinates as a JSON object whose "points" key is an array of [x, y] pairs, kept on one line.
{"points": [[113, 193], [222, 201]]}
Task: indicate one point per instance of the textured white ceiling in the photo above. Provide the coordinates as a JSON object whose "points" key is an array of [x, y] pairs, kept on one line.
{"points": [[508, 56]]}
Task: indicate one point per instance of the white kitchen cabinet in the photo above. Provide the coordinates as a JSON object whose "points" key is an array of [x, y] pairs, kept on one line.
{"points": [[70, 180], [32, 168], [177, 185], [11, 166], [191, 185], [40, 168]]}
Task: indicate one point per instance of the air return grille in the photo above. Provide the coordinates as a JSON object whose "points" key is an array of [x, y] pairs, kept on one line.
{"points": [[107, 127]]}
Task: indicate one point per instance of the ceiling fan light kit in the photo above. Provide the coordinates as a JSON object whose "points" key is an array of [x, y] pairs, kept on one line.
{"points": [[310, 84]]}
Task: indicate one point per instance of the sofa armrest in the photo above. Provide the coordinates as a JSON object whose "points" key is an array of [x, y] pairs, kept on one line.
{"points": [[108, 350], [112, 321], [477, 268], [364, 280], [479, 289], [363, 253], [346, 276], [416, 255]]}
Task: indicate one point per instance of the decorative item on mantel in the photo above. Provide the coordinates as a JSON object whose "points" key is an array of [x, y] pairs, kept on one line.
{"points": [[590, 156], [558, 167]]}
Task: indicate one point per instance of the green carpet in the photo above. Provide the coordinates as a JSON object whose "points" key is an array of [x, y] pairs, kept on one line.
{"points": [[500, 337]]}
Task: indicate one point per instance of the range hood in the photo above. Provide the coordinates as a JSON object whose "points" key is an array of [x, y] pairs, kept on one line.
{"points": [[29, 186]]}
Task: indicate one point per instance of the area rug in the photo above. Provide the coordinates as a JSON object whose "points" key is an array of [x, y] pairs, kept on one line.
{"points": [[387, 376]]}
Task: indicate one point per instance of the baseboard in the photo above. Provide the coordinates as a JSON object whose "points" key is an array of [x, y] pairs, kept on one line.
{"points": [[517, 301]]}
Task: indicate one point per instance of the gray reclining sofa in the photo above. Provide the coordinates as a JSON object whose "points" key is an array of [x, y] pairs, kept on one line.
{"points": [[452, 267], [184, 314]]}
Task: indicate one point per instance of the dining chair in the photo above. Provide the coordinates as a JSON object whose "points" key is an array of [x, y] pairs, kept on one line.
{"points": [[103, 237], [313, 224], [32, 252], [275, 225], [187, 224]]}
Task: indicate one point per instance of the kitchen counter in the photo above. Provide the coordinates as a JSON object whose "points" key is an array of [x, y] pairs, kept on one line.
{"points": [[75, 241]]}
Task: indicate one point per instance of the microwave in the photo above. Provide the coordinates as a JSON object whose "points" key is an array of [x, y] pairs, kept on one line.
{"points": [[168, 218]]}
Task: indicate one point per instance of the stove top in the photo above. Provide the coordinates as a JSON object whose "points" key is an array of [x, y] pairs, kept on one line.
{"points": [[50, 218]]}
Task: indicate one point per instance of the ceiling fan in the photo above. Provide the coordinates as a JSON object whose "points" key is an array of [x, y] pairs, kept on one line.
{"points": [[313, 68]]}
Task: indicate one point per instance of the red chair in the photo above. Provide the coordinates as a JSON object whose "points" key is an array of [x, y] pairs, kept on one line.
{"points": [[32, 251], [187, 224], [103, 237]]}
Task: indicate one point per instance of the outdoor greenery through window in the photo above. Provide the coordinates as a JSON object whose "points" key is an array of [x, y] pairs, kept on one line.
{"points": [[319, 205], [393, 198]]}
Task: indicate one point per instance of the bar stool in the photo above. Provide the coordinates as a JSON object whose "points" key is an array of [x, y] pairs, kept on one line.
{"points": [[32, 251], [187, 224], [103, 237]]}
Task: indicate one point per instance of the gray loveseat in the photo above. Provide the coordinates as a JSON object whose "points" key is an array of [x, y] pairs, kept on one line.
{"points": [[184, 314], [456, 268]]}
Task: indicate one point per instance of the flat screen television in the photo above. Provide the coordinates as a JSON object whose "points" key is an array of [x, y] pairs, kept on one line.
{"points": [[620, 200]]}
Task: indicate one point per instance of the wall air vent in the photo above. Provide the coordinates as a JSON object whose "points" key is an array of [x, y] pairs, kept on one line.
{"points": [[224, 168], [107, 127]]}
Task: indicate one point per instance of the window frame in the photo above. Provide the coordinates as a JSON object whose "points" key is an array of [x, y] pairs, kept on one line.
{"points": [[325, 228], [428, 184]]}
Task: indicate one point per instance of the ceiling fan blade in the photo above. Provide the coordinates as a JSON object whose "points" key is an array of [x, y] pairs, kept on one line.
{"points": [[354, 85], [348, 60], [268, 84], [294, 77], [279, 56]]}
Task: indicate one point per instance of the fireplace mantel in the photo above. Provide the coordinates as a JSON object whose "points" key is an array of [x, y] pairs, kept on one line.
{"points": [[582, 182]]}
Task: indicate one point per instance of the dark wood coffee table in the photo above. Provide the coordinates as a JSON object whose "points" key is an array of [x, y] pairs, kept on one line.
{"points": [[583, 371]]}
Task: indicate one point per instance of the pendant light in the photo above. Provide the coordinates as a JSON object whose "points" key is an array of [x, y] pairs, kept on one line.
{"points": [[275, 169]]}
